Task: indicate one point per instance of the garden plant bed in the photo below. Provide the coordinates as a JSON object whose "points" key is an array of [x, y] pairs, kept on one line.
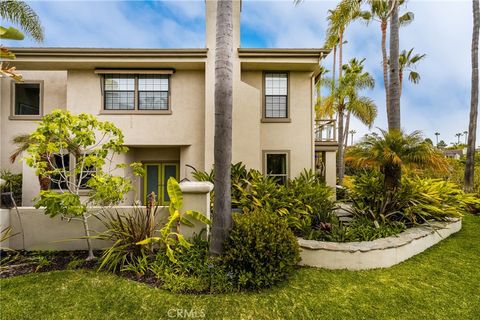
{"points": [[380, 253]]}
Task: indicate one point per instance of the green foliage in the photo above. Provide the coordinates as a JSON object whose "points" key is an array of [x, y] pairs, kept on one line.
{"points": [[60, 203], [194, 270], [21, 14], [260, 250], [13, 183], [170, 235], [416, 201], [125, 230]]}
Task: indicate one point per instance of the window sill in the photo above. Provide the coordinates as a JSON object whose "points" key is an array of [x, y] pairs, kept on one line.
{"points": [[276, 120], [25, 118], [135, 112]]}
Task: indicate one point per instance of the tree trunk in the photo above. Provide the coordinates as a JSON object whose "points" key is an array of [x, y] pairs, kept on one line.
{"points": [[347, 128], [394, 85], [383, 27], [91, 256], [392, 177], [334, 62], [340, 165], [222, 216], [472, 126], [400, 78], [340, 55]]}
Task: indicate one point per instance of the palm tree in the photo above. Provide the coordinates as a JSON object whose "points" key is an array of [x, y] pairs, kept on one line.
{"points": [[436, 136], [408, 61], [394, 122], [458, 135], [23, 142], [344, 97], [380, 11], [465, 134], [472, 126], [222, 219], [391, 150], [21, 14], [352, 132]]}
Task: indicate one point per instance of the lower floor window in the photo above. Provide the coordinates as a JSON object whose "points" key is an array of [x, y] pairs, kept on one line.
{"points": [[65, 166], [276, 165], [155, 180]]}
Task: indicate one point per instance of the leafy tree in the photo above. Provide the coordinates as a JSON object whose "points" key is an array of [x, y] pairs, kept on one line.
{"points": [[441, 144], [90, 146], [390, 151], [472, 126], [222, 219], [345, 97]]}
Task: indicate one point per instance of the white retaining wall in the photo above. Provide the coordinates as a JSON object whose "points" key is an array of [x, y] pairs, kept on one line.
{"points": [[40, 232], [380, 253]]}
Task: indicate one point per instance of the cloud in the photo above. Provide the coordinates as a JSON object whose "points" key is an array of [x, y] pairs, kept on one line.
{"points": [[442, 30]]}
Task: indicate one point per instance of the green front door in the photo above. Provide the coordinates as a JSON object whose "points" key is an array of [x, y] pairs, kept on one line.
{"points": [[155, 180]]}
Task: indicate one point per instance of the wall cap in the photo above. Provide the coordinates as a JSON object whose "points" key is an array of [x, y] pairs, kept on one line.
{"points": [[196, 186], [399, 240]]}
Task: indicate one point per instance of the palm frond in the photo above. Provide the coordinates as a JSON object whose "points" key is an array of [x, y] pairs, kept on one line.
{"points": [[20, 13]]}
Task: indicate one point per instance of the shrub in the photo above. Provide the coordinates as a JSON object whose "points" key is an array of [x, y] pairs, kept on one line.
{"points": [[260, 250], [193, 272], [416, 201], [13, 184], [125, 231]]}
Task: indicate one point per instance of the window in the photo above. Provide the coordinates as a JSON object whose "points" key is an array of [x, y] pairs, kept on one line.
{"points": [[128, 92], [27, 102], [156, 178], [276, 95], [59, 182], [276, 165]]}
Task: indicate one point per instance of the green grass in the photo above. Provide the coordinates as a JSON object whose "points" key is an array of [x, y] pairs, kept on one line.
{"points": [[440, 283]]}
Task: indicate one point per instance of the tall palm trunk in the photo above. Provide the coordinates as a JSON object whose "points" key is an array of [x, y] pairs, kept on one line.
{"points": [[383, 27], [472, 126], [222, 218], [400, 78], [340, 163], [340, 116], [345, 131], [394, 173]]}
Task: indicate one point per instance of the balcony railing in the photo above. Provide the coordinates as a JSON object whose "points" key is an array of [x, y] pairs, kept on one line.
{"points": [[325, 130]]}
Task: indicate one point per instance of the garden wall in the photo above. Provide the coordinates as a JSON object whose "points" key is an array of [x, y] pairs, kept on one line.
{"points": [[40, 232], [380, 253]]}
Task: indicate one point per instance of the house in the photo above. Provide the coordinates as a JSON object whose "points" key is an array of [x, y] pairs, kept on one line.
{"points": [[454, 153], [163, 101]]}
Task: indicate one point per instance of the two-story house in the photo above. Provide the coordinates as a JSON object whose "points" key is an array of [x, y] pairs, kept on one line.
{"points": [[163, 101]]}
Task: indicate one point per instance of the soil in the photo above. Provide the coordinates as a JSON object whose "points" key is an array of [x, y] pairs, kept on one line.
{"points": [[16, 263]]}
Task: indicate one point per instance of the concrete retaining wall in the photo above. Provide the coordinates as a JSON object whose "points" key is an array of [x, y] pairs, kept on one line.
{"points": [[36, 231], [380, 253]]}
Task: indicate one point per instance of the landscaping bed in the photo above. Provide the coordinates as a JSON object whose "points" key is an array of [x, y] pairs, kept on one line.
{"points": [[440, 283]]}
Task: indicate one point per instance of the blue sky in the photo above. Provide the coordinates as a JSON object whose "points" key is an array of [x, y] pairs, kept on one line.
{"points": [[441, 30]]}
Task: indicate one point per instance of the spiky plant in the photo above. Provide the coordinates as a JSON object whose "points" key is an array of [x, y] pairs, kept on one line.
{"points": [[391, 150]]}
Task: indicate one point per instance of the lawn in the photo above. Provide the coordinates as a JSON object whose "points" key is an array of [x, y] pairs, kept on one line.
{"points": [[441, 283]]}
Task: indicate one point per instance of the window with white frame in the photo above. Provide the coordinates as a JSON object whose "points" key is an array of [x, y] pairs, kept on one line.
{"points": [[142, 92], [276, 165], [276, 95]]}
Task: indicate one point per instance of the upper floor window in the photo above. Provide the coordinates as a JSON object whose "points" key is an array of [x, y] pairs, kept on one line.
{"points": [[276, 95], [27, 100], [128, 92]]}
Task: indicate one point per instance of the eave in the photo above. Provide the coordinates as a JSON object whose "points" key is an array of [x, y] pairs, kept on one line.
{"points": [[92, 58]]}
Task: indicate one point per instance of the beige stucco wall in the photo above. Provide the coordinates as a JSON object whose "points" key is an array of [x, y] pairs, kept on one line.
{"points": [[54, 97], [40, 232]]}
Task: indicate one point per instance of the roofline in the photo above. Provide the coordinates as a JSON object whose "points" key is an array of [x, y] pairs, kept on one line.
{"points": [[108, 52], [283, 52]]}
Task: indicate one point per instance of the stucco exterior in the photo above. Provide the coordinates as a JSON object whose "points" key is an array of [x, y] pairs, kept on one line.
{"points": [[184, 135]]}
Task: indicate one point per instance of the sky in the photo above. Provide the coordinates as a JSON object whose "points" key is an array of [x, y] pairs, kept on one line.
{"points": [[442, 30]]}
